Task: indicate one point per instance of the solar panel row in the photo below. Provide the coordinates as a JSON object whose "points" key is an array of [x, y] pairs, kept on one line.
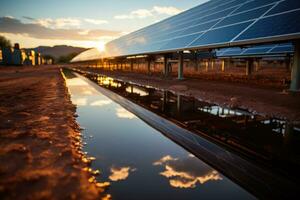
{"points": [[214, 24], [262, 50]]}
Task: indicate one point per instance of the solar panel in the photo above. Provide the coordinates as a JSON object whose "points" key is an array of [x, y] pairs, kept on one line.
{"points": [[214, 24], [261, 50]]}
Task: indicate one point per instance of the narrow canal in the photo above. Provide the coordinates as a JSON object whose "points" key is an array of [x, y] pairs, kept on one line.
{"points": [[139, 161]]}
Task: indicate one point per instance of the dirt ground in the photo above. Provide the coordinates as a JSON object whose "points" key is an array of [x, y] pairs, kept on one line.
{"points": [[273, 102], [40, 155]]}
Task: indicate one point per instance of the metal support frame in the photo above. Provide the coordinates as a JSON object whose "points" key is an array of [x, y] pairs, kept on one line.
{"points": [[165, 69], [295, 75], [249, 66], [257, 65], [288, 62], [223, 66], [131, 65], [180, 65], [149, 65], [206, 65]]}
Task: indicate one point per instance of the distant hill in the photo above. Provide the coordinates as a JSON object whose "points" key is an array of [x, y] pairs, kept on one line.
{"points": [[59, 50]]}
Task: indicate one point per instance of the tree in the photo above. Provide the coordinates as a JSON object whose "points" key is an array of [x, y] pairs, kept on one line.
{"points": [[4, 42]]}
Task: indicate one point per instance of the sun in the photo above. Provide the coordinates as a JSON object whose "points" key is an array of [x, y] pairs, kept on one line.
{"points": [[100, 46]]}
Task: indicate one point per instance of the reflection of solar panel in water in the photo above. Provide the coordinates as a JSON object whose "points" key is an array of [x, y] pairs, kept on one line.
{"points": [[262, 50], [216, 23]]}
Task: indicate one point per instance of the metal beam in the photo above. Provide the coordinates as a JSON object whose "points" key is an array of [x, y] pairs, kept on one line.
{"points": [[149, 65], [131, 64], [223, 65], [166, 70], [180, 65], [249, 66], [295, 76]]}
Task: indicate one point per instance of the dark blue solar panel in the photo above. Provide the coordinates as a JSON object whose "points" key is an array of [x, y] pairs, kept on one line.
{"points": [[180, 42], [229, 52], [283, 49], [261, 50], [255, 4], [214, 16], [253, 14], [285, 6], [199, 28], [278, 25], [256, 51], [223, 23], [221, 35]]}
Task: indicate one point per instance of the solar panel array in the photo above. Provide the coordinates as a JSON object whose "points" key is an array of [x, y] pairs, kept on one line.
{"points": [[261, 50], [217, 23]]}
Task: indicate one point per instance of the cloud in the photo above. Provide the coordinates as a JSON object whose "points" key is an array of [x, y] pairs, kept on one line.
{"points": [[56, 23], [186, 172], [143, 13], [41, 30], [118, 174], [96, 21], [166, 10], [140, 13]]}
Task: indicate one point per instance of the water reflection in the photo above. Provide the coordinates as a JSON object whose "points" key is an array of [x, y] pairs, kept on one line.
{"points": [[137, 160], [250, 134], [186, 172], [120, 173], [80, 101], [101, 103], [123, 113]]}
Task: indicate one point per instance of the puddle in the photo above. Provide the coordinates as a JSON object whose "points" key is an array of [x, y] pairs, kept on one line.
{"points": [[139, 161], [269, 139]]}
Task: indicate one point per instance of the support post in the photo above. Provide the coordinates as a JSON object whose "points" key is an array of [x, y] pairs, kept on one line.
{"points": [[249, 66], [149, 65], [196, 64], [178, 104], [295, 76], [206, 66], [257, 66], [180, 65], [288, 62], [223, 66], [166, 72], [131, 64]]}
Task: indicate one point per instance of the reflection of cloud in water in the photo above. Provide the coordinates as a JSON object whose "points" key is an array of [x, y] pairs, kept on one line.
{"points": [[101, 103], [121, 173], [164, 160], [87, 92], [187, 172], [80, 101], [76, 82], [123, 113]]}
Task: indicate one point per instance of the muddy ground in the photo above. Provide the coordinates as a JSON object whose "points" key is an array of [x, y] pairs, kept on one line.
{"points": [[269, 101], [39, 139]]}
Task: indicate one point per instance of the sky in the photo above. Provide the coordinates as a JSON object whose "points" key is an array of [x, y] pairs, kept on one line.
{"points": [[84, 23]]}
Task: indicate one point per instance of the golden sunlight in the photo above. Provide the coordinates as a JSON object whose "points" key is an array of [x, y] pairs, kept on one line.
{"points": [[100, 46]]}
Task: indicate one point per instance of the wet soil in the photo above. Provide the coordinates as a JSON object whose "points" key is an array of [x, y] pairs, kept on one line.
{"points": [[39, 138]]}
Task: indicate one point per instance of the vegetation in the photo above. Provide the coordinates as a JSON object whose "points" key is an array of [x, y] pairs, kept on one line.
{"points": [[67, 58], [4, 42]]}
